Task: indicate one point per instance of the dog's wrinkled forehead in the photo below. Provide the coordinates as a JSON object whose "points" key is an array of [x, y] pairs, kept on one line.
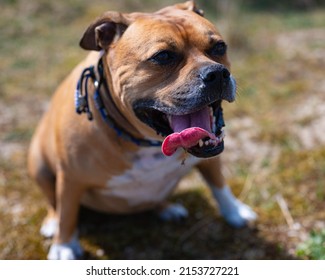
{"points": [[172, 25], [175, 29]]}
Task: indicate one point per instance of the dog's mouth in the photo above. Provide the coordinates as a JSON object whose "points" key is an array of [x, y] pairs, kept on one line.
{"points": [[200, 132]]}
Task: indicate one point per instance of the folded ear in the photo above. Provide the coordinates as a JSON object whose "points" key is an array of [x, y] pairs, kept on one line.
{"points": [[191, 6], [104, 30]]}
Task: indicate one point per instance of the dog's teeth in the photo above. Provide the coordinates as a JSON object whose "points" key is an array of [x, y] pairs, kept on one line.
{"points": [[201, 143], [207, 143], [221, 136]]}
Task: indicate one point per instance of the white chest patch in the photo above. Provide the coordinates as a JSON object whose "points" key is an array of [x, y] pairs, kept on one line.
{"points": [[151, 178]]}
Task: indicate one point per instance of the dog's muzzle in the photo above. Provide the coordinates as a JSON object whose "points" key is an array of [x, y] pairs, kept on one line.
{"points": [[195, 121]]}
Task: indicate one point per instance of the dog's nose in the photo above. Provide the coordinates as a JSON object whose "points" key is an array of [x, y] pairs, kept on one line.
{"points": [[215, 75]]}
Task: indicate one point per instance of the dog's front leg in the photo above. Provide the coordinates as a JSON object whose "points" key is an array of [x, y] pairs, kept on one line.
{"points": [[236, 213], [66, 245]]}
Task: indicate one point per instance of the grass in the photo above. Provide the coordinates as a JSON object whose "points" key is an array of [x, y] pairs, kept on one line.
{"points": [[313, 247], [275, 59]]}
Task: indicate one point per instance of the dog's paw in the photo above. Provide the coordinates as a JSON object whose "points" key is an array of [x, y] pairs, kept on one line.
{"points": [[236, 213], [173, 212], [49, 228], [239, 216], [66, 251]]}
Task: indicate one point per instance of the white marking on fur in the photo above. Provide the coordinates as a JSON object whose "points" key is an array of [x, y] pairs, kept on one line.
{"points": [[236, 213], [66, 251], [151, 178], [49, 228], [173, 212]]}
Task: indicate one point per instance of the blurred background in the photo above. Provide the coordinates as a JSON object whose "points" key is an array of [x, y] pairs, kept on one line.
{"points": [[275, 144]]}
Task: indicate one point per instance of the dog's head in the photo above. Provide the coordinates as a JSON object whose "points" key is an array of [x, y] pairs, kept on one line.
{"points": [[168, 73]]}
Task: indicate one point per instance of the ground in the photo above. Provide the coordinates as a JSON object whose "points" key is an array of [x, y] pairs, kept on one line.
{"points": [[275, 143]]}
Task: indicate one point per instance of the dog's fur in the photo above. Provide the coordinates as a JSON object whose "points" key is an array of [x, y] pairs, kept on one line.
{"points": [[75, 160]]}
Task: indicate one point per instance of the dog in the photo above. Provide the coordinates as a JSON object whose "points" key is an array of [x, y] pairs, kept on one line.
{"points": [[118, 129]]}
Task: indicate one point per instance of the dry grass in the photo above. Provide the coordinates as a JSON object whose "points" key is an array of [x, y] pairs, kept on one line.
{"points": [[275, 146]]}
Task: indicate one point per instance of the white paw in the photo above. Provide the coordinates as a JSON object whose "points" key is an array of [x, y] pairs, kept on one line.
{"points": [[66, 251], [236, 213], [239, 216], [174, 212], [49, 228]]}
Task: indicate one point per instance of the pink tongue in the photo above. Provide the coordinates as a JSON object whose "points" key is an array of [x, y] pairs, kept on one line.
{"points": [[189, 130]]}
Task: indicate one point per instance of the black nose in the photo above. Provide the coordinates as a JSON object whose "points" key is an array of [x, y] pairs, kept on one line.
{"points": [[215, 75]]}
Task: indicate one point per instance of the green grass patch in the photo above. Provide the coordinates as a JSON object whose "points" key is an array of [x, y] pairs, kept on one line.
{"points": [[314, 247]]}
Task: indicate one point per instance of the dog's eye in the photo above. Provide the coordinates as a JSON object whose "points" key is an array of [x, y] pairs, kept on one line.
{"points": [[219, 49], [163, 58]]}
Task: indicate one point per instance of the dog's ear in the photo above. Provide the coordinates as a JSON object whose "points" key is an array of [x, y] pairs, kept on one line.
{"points": [[191, 6], [105, 30]]}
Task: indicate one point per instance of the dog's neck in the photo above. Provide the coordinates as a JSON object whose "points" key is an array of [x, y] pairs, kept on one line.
{"points": [[114, 113], [126, 129]]}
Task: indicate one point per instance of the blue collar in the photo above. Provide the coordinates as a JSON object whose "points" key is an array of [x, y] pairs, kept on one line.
{"points": [[82, 104]]}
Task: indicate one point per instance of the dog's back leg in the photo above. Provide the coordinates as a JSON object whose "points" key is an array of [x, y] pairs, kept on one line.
{"points": [[40, 171]]}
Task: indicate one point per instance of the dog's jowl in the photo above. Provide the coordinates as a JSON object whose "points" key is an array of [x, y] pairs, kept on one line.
{"points": [[118, 128]]}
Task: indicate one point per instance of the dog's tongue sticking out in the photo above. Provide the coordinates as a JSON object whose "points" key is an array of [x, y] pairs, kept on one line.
{"points": [[188, 131]]}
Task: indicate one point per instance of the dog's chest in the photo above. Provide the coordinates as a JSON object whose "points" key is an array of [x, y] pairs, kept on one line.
{"points": [[151, 178]]}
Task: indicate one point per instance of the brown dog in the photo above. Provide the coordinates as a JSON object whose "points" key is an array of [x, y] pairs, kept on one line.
{"points": [[152, 89]]}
